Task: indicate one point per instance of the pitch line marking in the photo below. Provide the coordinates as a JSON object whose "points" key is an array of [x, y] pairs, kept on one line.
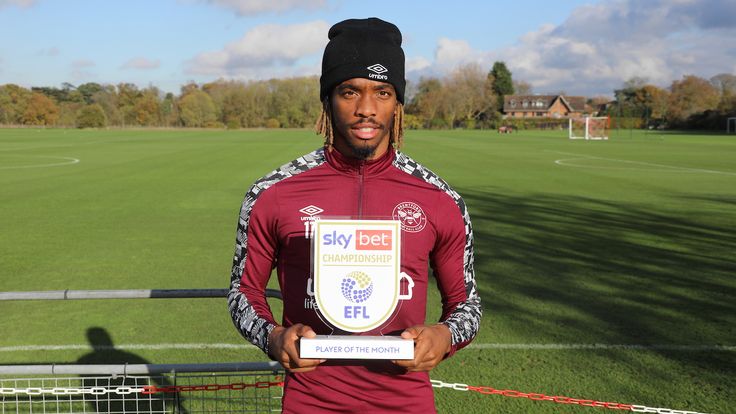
{"points": [[70, 161], [649, 164], [627, 347], [482, 346]]}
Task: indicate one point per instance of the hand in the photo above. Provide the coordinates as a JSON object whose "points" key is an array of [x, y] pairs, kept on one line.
{"points": [[283, 346], [431, 344]]}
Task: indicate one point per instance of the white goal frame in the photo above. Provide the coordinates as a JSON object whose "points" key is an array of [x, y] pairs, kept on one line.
{"points": [[591, 130], [728, 125]]}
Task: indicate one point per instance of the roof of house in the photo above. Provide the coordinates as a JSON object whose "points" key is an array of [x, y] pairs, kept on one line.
{"points": [[536, 103]]}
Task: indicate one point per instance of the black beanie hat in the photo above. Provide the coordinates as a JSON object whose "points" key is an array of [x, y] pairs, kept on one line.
{"points": [[363, 48]]}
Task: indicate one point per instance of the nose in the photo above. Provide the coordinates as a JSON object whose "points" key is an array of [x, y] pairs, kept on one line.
{"points": [[366, 106]]}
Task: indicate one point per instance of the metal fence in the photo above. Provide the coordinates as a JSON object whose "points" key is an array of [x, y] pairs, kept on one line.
{"points": [[249, 387]]}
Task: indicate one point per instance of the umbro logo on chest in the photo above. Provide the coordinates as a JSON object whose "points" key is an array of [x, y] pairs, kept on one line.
{"points": [[311, 214]]}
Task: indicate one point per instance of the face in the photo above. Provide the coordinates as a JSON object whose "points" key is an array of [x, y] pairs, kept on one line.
{"points": [[363, 114]]}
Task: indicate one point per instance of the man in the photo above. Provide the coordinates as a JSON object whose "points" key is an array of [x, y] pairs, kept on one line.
{"points": [[357, 174]]}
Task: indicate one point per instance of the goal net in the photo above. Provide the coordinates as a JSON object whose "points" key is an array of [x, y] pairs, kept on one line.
{"points": [[589, 127], [730, 125]]}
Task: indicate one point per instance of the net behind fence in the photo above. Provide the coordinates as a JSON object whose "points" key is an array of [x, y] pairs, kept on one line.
{"points": [[242, 392]]}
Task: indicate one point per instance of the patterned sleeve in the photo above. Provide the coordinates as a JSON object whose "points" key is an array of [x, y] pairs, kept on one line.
{"points": [[452, 259], [255, 251], [453, 256], [464, 320]]}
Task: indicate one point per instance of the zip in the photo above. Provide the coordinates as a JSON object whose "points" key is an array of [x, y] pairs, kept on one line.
{"points": [[361, 179]]}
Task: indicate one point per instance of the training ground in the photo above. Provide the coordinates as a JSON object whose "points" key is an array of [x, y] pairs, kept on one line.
{"points": [[607, 269]]}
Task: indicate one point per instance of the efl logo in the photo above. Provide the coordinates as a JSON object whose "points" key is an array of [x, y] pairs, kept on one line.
{"points": [[356, 287], [373, 240]]}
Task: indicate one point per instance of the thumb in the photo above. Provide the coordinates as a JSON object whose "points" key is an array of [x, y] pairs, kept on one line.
{"points": [[306, 331], [411, 333]]}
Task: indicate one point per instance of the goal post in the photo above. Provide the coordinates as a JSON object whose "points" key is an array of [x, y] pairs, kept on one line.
{"points": [[731, 125], [589, 128]]}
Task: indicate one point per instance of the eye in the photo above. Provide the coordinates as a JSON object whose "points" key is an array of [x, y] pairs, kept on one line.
{"points": [[384, 94], [348, 93]]}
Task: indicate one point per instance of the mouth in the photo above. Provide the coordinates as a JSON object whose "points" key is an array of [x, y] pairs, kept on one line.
{"points": [[366, 131]]}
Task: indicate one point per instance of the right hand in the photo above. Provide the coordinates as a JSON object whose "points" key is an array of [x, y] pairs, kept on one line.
{"points": [[283, 346]]}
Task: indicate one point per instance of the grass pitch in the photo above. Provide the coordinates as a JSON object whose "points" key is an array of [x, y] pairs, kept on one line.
{"points": [[606, 268]]}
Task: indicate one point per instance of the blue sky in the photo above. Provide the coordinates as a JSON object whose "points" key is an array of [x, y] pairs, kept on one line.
{"points": [[576, 46]]}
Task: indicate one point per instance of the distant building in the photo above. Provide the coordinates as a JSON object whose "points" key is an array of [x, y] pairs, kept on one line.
{"points": [[543, 106]]}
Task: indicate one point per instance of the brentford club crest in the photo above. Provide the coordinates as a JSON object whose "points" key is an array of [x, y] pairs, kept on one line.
{"points": [[412, 216]]}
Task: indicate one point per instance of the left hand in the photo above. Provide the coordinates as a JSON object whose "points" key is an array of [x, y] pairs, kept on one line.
{"points": [[431, 344]]}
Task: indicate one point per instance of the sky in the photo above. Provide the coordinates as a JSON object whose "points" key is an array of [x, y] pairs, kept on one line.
{"points": [[580, 47]]}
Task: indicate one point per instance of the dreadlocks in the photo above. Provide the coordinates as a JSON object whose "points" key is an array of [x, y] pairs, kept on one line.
{"points": [[324, 126]]}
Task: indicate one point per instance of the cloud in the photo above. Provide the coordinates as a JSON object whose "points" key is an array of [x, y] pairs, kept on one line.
{"points": [[602, 45], [141, 63], [451, 53], [417, 64], [18, 3], [254, 7], [265, 49]]}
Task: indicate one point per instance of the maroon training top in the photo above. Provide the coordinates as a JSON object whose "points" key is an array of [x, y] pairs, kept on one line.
{"points": [[274, 231]]}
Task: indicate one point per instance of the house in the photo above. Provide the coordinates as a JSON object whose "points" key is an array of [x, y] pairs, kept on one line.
{"points": [[543, 106]]}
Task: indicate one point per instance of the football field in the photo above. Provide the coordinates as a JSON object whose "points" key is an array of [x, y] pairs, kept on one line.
{"points": [[606, 268]]}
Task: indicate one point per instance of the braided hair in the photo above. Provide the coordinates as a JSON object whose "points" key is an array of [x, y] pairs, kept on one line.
{"points": [[325, 128]]}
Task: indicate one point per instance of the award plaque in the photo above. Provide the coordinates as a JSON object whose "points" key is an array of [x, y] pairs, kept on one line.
{"points": [[357, 278]]}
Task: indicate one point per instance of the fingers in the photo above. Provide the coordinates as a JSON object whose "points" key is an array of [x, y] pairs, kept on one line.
{"points": [[285, 348], [431, 343]]}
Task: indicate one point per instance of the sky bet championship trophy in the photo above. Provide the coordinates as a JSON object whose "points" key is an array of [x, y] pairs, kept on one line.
{"points": [[357, 279]]}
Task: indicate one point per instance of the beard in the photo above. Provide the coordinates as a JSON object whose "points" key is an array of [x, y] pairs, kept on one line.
{"points": [[362, 152]]}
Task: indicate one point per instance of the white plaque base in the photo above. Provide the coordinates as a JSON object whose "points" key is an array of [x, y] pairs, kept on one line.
{"points": [[356, 347]]}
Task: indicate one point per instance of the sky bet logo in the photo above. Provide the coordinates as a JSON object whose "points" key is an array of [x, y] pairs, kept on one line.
{"points": [[364, 239]]}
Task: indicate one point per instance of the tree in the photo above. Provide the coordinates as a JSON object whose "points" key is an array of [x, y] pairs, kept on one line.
{"points": [[40, 110], [197, 109], [639, 99], [147, 108], [13, 102], [217, 91], [427, 101], [294, 102], [68, 112], [690, 96], [726, 85], [466, 96], [522, 88], [653, 100], [503, 84], [169, 111], [91, 116], [635, 82], [107, 98], [247, 105], [88, 90], [128, 94], [58, 95]]}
